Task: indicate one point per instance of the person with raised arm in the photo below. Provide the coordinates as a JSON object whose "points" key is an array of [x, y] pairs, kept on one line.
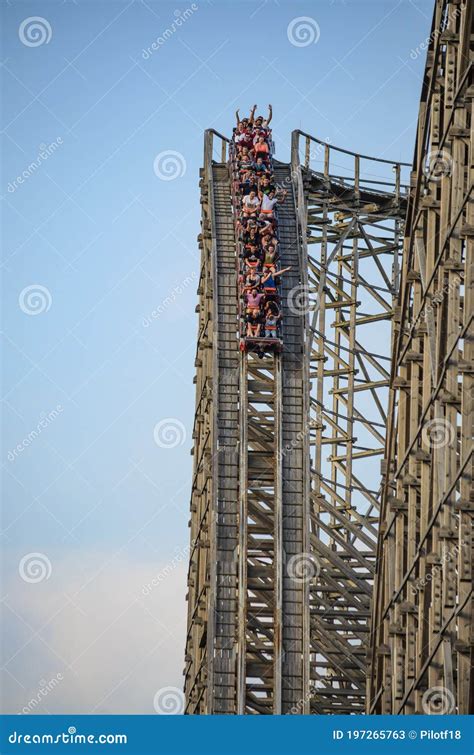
{"points": [[269, 284], [260, 121], [270, 258], [269, 201], [270, 324], [245, 121]]}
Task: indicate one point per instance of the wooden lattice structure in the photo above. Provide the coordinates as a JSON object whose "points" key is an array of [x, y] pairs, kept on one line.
{"points": [[422, 635], [351, 213]]}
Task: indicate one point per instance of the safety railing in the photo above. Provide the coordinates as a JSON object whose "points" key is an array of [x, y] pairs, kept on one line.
{"points": [[215, 147], [362, 172]]}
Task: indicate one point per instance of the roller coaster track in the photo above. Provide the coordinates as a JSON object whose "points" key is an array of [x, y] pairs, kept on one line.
{"points": [[331, 523], [248, 480]]}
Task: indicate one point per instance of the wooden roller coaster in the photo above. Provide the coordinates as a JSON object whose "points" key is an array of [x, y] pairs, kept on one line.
{"points": [[332, 499]]}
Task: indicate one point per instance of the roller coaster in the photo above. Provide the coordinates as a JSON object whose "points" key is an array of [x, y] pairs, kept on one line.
{"points": [[330, 566]]}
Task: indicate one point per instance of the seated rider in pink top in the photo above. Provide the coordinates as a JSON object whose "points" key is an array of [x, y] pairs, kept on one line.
{"points": [[261, 148], [253, 300]]}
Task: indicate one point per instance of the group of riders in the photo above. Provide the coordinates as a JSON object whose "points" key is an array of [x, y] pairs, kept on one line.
{"points": [[255, 198]]}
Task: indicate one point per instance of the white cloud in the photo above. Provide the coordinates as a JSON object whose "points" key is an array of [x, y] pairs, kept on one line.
{"points": [[90, 622]]}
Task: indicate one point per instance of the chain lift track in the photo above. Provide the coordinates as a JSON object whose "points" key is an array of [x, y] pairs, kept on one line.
{"points": [[247, 647], [422, 635]]}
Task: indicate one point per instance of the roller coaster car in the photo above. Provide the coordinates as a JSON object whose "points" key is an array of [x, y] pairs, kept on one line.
{"points": [[261, 345]]}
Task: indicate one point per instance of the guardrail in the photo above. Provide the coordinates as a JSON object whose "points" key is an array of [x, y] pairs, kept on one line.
{"points": [[210, 136], [327, 155]]}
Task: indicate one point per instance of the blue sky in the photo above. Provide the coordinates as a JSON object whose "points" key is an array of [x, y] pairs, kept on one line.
{"points": [[99, 279]]}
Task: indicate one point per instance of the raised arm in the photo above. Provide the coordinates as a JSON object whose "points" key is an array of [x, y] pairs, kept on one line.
{"points": [[237, 117], [270, 114], [252, 115], [280, 272]]}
